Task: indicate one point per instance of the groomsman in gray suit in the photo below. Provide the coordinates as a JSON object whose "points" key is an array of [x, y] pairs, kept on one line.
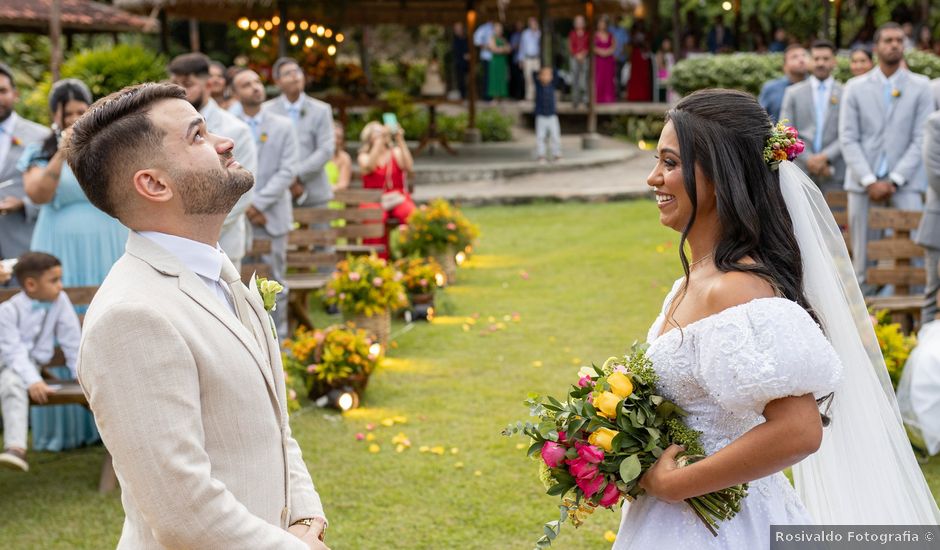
{"points": [[17, 214], [191, 71], [313, 121], [928, 234], [812, 107], [881, 128], [270, 210], [935, 88]]}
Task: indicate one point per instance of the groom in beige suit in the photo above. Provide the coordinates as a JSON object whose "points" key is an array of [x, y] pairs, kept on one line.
{"points": [[178, 359]]}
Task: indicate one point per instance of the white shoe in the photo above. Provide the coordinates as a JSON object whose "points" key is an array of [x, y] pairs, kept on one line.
{"points": [[12, 460]]}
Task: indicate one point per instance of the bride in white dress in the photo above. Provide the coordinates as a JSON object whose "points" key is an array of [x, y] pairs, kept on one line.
{"points": [[767, 319]]}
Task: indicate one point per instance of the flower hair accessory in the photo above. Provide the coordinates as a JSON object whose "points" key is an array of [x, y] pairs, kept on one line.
{"points": [[783, 144]]}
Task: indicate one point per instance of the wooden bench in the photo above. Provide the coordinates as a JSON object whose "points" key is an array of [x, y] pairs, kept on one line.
{"points": [[838, 202], [893, 256], [69, 391], [252, 263], [313, 251]]}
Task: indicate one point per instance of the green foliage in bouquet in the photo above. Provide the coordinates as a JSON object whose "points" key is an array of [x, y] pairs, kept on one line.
{"points": [[421, 275], [435, 227], [330, 355], [612, 426], [895, 346], [365, 285]]}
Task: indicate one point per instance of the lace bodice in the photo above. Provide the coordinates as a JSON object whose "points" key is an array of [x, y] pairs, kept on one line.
{"points": [[725, 368]]}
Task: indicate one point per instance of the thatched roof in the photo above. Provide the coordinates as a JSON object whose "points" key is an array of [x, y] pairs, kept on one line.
{"points": [[82, 16], [365, 12]]}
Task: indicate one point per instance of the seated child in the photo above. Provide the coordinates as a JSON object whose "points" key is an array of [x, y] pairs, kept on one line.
{"points": [[32, 323]]}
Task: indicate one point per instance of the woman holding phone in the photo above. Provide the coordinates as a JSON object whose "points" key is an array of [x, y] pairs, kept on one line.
{"points": [[384, 160]]}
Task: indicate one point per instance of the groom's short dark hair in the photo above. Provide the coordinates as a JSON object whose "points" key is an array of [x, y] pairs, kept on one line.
{"points": [[890, 25], [818, 44], [111, 140]]}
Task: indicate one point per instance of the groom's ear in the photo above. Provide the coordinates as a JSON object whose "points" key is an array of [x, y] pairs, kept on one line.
{"points": [[152, 185]]}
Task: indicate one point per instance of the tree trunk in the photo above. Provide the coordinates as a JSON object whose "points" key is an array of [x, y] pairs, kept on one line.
{"points": [[55, 36]]}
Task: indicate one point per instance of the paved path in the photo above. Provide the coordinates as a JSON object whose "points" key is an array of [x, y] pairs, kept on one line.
{"points": [[611, 181]]}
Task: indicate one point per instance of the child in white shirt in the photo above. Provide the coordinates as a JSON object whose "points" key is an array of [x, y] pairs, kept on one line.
{"points": [[32, 323]]}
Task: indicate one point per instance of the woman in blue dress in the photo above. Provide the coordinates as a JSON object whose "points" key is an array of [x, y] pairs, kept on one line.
{"points": [[86, 241]]}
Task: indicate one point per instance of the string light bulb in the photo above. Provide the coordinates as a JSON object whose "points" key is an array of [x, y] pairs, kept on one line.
{"points": [[309, 42], [331, 50], [276, 20], [340, 37], [255, 41], [291, 25], [243, 23], [328, 33], [268, 25], [304, 25], [260, 33], [320, 31], [253, 25], [294, 39]]}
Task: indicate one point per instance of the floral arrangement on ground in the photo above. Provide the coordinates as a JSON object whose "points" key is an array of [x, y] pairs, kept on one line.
{"points": [[365, 285]]}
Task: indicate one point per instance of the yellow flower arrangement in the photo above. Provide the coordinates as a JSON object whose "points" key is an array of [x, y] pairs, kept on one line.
{"points": [[895, 346], [328, 356], [435, 227], [365, 285], [421, 275]]}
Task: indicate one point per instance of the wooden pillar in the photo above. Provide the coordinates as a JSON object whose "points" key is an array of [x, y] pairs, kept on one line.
{"points": [[69, 41], [676, 28], [55, 35], [590, 140], [282, 29], [364, 60], [736, 29], [545, 46], [472, 134], [193, 35], [838, 40], [115, 38], [164, 33]]}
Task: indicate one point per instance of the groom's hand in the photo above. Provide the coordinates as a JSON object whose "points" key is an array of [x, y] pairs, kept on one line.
{"points": [[312, 535]]}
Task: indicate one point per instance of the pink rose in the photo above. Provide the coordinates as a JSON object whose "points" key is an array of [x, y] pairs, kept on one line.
{"points": [[330, 293], [311, 368], [610, 496], [581, 469], [318, 337], [585, 381], [360, 436], [451, 226], [562, 437], [398, 276], [553, 454], [377, 282], [423, 282], [342, 295], [589, 453], [354, 276], [589, 486]]}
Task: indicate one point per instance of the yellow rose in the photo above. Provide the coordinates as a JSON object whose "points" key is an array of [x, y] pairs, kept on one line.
{"points": [[606, 404], [603, 437], [620, 384]]}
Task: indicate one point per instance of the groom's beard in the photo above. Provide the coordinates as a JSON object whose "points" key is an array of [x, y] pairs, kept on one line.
{"points": [[212, 192]]}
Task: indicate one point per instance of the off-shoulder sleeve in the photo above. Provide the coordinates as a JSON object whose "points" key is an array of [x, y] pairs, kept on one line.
{"points": [[764, 350], [30, 157]]}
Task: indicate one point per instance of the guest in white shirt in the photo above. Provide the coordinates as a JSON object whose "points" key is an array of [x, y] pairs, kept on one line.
{"points": [[529, 52], [32, 322], [191, 71]]}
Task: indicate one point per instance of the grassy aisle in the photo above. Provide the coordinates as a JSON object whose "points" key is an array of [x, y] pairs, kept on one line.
{"points": [[584, 280]]}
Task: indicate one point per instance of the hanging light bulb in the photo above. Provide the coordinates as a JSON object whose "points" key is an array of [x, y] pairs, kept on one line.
{"points": [[340, 37], [255, 41], [304, 25], [253, 25], [268, 25], [308, 42], [276, 20], [291, 25], [260, 33], [243, 23], [331, 50], [328, 33], [294, 39], [320, 31]]}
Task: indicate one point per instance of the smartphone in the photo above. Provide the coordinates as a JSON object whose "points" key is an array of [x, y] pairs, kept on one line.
{"points": [[391, 121], [8, 263]]}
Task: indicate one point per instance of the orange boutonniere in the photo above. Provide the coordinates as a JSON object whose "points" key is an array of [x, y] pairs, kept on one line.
{"points": [[895, 92], [264, 137], [15, 141], [834, 100]]}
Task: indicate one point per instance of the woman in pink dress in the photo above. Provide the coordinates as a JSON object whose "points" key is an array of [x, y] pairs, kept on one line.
{"points": [[605, 65]]}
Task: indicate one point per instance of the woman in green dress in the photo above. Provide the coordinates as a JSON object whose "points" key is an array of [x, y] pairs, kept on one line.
{"points": [[498, 77]]}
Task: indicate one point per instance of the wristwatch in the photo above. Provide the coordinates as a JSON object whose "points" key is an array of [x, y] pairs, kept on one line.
{"points": [[309, 522]]}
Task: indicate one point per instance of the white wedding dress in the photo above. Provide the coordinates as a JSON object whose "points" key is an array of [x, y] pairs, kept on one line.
{"points": [[723, 370]]}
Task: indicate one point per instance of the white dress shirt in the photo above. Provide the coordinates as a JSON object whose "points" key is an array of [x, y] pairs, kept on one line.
{"points": [[201, 259], [30, 330]]}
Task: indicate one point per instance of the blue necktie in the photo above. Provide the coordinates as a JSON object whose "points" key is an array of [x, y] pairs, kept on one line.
{"points": [[883, 164], [255, 128], [41, 306], [820, 117], [294, 112]]}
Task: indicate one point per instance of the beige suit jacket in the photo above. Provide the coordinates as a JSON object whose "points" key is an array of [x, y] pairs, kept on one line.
{"points": [[191, 405]]}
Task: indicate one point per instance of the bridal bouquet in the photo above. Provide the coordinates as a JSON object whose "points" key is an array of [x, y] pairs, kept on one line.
{"points": [[597, 442]]}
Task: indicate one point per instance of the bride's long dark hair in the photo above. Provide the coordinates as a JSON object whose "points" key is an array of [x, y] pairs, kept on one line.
{"points": [[724, 132]]}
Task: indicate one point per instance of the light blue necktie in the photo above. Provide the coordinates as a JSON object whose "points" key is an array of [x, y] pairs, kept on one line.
{"points": [[883, 164], [294, 112], [255, 128], [821, 105]]}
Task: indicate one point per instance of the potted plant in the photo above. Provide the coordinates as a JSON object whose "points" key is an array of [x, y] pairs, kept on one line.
{"points": [[439, 230], [366, 289], [336, 357], [421, 277]]}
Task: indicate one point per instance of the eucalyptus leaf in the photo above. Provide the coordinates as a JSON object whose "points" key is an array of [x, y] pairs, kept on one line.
{"points": [[630, 468]]}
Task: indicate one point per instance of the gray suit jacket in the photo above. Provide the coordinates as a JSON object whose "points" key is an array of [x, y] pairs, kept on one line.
{"points": [[935, 89], [16, 229], [317, 143], [191, 403], [867, 128], [799, 108], [221, 122], [277, 168], [928, 234]]}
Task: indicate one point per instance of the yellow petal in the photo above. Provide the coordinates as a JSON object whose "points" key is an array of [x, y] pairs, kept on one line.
{"points": [[610, 536], [374, 448]]}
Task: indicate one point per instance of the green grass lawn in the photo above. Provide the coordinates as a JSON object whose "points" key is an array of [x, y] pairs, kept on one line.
{"points": [[585, 280]]}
